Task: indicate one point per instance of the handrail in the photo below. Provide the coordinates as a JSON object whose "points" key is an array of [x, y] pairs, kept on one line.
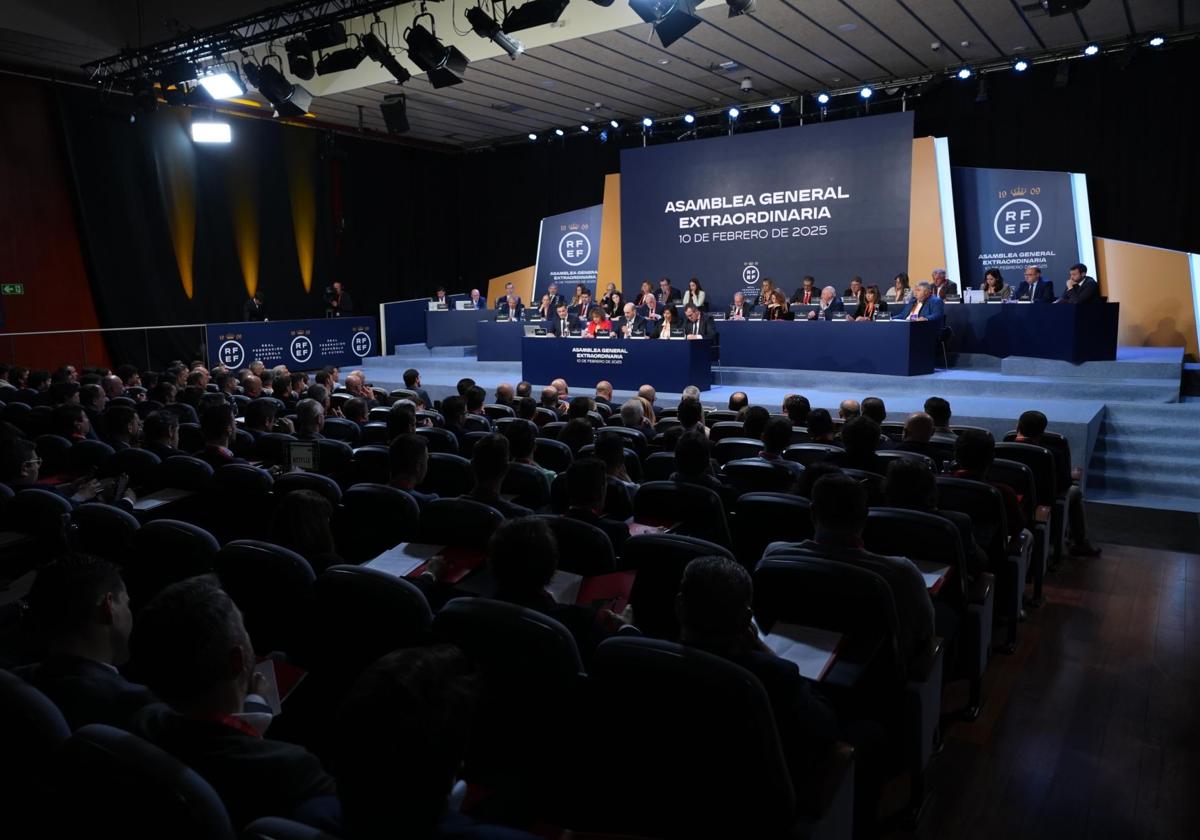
{"points": [[98, 330]]}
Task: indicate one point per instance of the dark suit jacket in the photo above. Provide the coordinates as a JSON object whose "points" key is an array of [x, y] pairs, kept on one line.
{"points": [[583, 313], [255, 777], [948, 288], [87, 691], [617, 532], [861, 309], [1087, 291], [674, 296], [514, 314], [814, 297], [345, 305], [554, 325], [742, 311], [835, 306], [637, 323], [252, 311], [1044, 294], [706, 329], [502, 302], [164, 452]]}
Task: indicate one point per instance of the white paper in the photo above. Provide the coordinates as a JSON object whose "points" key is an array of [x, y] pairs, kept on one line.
{"points": [[564, 587], [270, 691], [401, 560], [932, 572], [811, 649], [160, 497]]}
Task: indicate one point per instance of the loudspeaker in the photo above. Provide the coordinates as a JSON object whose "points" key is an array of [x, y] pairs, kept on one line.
{"points": [[395, 113]]}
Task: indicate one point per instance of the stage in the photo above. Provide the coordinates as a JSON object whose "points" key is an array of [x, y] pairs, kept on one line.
{"points": [[1136, 442]]}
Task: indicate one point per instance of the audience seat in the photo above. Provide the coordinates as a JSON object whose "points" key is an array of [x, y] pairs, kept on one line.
{"points": [[148, 407], [754, 475], [809, 453], [618, 501], [89, 456], [495, 412], [872, 481], [404, 394], [103, 770], [720, 415], [271, 448], [658, 466], [373, 518], [552, 454], [32, 729], [760, 519], [54, 450], [464, 523], [434, 417], [889, 455], [239, 493], [272, 586], [469, 440], [632, 438], [736, 448], [1042, 463], [191, 439], [17, 413], [1020, 478], [342, 429], [166, 551], [659, 560], [725, 429], [448, 475], [277, 828], [584, 549], [696, 510], [42, 514], [477, 423], [103, 530], [528, 484], [316, 482], [183, 472], [243, 444], [334, 457], [140, 465], [378, 414], [375, 434], [370, 465], [438, 439]]}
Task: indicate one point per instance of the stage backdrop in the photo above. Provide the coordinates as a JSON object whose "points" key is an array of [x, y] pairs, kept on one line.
{"points": [[568, 252], [830, 200], [1013, 218]]}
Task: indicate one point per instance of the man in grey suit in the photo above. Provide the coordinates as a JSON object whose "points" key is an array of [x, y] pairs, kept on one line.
{"points": [[942, 287]]}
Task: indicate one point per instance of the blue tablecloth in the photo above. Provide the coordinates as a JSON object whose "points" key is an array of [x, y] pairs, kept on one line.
{"points": [[628, 364], [899, 348], [498, 341], [1068, 332], [453, 328]]}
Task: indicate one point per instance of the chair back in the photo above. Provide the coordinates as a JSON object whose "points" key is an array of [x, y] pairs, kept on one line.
{"points": [[658, 466], [339, 428], [528, 484], [726, 429], [1021, 479], [760, 519], [736, 448], [463, 523], [754, 475], [166, 551], [720, 415], [439, 439], [334, 457], [370, 465], [140, 465], [497, 412], [890, 455], [697, 510], [375, 434], [448, 475], [239, 492], [660, 560], [373, 518], [632, 438], [31, 728], [191, 439], [54, 451], [467, 446], [183, 472], [103, 530], [984, 504], [477, 423], [584, 549], [272, 447], [322, 484], [1041, 463], [918, 535], [277, 828], [552, 454], [89, 456], [43, 514], [809, 453]]}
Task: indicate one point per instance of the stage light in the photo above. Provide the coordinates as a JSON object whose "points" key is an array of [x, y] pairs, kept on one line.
{"points": [[223, 85], [559, 132], [689, 118], [1090, 50], [326, 37], [964, 73], [341, 60], [1020, 65], [394, 109], [866, 93], [532, 136], [1057, 7], [585, 129], [211, 132], [378, 51], [672, 19], [534, 13], [647, 122], [614, 123], [1157, 41], [288, 99], [822, 98], [486, 27], [443, 64], [734, 113], [740, 7], [300, 63], [177, 72], [776, 109]]}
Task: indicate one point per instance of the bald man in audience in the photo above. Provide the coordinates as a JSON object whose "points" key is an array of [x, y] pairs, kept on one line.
{"points": [[648, 393], [849, 409], [604, 391], [738, 400], [918, 429], [504, 394], [550, 400]]}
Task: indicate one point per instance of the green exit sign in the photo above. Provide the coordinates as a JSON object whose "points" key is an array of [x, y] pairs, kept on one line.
{"points": [[12, 288]]}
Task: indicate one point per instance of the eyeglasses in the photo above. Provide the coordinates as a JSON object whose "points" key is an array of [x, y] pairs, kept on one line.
{"points": [[37, 462]]}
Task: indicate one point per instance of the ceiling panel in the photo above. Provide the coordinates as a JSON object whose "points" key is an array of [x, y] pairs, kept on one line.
{"points": [[840, 19]]}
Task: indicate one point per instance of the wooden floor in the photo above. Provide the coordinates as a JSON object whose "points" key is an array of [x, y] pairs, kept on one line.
{"points": [[1092, 729]]}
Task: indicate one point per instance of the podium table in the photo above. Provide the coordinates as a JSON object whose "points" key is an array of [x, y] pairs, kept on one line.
{"points": [[1073, 333], [628, 363], [898, 348]]}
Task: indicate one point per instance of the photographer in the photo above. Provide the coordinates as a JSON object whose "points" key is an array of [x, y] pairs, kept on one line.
{"points": [[338, 301]]}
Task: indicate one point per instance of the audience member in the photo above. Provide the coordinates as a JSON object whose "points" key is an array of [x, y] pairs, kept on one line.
{"points": [[648, 393], [691, 415], [604, 393], [812, 474], [577, 434], [303, 522], [121, 427], [489, 464], [587, 486], [754, 421], [918, 431], [797, 407], [738, 400], [939, 411], [160, 434], [408, 462], [973, 455], [1031, 428], [849, 409], [216, 425], [504, 394], [776, 438], [412, 381], [310, 420], [454, 412], [693, 465], [860, 438], [820, 426], [401, 419], [72, 422], [522, 438], [356, 411]]}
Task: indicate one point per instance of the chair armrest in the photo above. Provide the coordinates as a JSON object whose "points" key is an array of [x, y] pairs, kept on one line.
{"points": [[923, 667], [981, 588]]}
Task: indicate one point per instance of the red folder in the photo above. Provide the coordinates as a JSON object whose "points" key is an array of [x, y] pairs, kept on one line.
{"points": [[460, 562]]}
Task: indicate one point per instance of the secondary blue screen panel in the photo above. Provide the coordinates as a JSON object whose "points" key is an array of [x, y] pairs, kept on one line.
{"points": [[568, 252], [830, 200], [301, 345]]}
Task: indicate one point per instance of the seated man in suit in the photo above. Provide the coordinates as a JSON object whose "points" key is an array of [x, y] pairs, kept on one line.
{"points": [[1031, 426], [924, 305], [408, 461], [912, 486], [489, 464], [839, 512], [668, 295], [740, 310], [511, 309], [454, 413], [1035, 288], [942, 287], [565, 324], [509, 292], [412, 381], [555, 297], [401, 746], [160, 433], [477, 301], [439, 297], [650, 308], [697, 325], [776, 437], [694, 465], [918, 429], [807, 293], [310, 420], [938, 408], [631, 323], [120, 426], [1080, 287], [587, 486], [860, 439], [195, 653], [217, 426], [80, 611], [714, 608], [855, 290], [829, 304], [820, 426], [583, 311]]}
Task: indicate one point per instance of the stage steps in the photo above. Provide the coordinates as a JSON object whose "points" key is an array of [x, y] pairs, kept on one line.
{"points": [[1147, 456]]}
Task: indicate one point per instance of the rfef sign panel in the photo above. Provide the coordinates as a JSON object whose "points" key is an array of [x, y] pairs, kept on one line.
{"points": [[1009, 219], [568, 252], [301, 345]]}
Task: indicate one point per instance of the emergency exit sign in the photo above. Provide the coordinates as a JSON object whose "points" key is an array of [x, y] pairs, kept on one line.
{"points": [[12, 288]]}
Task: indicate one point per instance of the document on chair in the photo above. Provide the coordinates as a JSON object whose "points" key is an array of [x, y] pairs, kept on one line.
{"points": [[405, 558], [935, 574], [564, 587], [812, 650], [160, 497]]}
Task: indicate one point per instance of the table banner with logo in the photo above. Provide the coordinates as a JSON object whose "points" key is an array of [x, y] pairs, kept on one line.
{"points": [[568, 253], [829, 200], [301, 345], [1009, 219]]}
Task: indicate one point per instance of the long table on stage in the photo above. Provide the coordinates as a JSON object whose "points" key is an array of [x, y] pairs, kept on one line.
{"points": [[627, 363], [898, 348], [498, 341], [1068, 332], [453, 327]]}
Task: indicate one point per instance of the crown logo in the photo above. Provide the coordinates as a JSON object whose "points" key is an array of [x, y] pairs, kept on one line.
{"points": [[1019, 191], [573, 226]]}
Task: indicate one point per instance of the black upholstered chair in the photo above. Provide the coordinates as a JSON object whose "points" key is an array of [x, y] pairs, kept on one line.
{"points": [[763, 518], [54, 451], [660, 560], [32, 729], [754, 475], [552, 454], [462, 523], [166, 551], [439, 439], [183, 472], [89, 456], [809, 453], [584, 549], [697, 510], [342, 429], [448, 475], [272, 586], [103, 530], [140, 465], [528, 484], [372, 519]]}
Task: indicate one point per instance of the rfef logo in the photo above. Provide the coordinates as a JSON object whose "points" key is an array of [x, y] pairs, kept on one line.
{"points": [[751, 274], [302, 348], [231, 354], [1017, 221], [360, 344], [574, 248]]}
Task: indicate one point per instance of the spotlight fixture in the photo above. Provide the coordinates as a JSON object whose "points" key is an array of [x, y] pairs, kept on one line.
{"points": [[559, 132], [647, 122], [964, 73], [534, 13], [444, 65], [822, 98], [300, 62], [532, 136], [486, 27], [326, 37], [211, 132], [585, 128], [866, 93], [1056, 7], [222, 85], [340, 61], [614, 123], [1090, 50], [394, 109], [289, 100], [1020, 65], [689, 118], [1157, 41], [740, 7], [672, 19], [734, 113], [379, 52], [776, 108], [177, 72]]}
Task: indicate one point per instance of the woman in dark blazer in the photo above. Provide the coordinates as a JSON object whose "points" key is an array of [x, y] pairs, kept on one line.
{"points": [[870, 305]]}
